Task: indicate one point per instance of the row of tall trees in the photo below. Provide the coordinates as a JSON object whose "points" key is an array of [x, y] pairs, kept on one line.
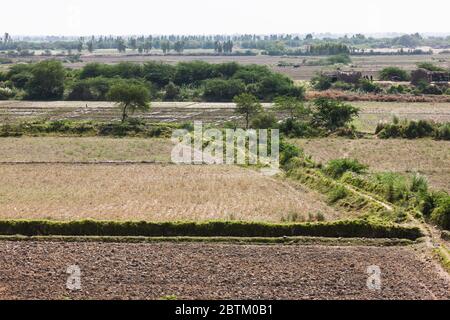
{"points": [[219, 43]]}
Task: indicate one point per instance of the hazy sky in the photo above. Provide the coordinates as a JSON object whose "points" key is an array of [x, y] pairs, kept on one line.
{"points": [[87, 17]]}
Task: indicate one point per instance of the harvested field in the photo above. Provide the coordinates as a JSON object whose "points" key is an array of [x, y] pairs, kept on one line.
{"points": [[152, 193], [428, 157], [37, 270], [84, 149], [16, 111], [167, 112]]}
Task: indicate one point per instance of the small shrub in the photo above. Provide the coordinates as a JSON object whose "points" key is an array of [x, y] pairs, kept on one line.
{"points": [[419, 183], [336, 194], [443, 132], [288, 152], [394, 74], [296, 129], [369, 86], [264, 120], [336, 168], [441, 214], [6, 93], [321, 82]]}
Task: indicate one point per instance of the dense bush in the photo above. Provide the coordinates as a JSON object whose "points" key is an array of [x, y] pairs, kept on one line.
{"points": [[369, 86], [92, 89], [222, 90], [6, 93], [321, 82], [185, 81], [439, 209], [264, 120], [288, 152], [331, 114], [413, 129], [298, 128], [394, 74], [336, 168], [47, 81]]}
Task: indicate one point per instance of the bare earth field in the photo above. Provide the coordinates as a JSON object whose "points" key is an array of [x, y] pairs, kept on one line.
{"points": [[426, 156], [151, 193], [32, 270], [84, 149], [369, 65], [371, 112]]}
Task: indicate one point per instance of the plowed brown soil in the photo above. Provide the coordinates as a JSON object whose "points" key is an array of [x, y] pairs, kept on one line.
{"points": [[33, 270]]}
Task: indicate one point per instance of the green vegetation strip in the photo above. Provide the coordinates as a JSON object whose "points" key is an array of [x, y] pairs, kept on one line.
{"points": [[443, 255], [445, 235], [336, 229]]}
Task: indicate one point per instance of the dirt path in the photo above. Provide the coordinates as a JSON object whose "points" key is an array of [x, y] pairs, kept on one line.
{"points": [[31, 270]]}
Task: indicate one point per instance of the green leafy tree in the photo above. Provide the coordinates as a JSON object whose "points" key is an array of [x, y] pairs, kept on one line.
{"points": [[331, 114], [121, 46], [172, 91], [292, 106], [90, 46], [179, 46], [130, 97], [248, 106], [47, 81]]}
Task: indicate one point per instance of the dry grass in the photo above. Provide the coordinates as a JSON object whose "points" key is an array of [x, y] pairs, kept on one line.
{"points": [[429, 157], [50, 149], [152, 193]]}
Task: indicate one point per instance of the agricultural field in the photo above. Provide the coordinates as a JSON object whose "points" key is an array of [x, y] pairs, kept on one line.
{"points": [[35, 270], [425, 156], [135, 192], [105, 195], [371, 113], [84, 149]]}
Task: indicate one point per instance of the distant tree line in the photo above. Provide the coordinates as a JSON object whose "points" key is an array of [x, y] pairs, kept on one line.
{"points": [[271, 44]]}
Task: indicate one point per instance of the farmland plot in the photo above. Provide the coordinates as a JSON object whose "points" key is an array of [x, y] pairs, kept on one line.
{"points": [[215, 271], [175, 112], [84, 149], [153, 193]]}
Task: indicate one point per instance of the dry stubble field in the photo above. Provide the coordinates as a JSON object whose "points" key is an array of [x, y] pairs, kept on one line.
{"points": [[152, 193], [84, 149]]}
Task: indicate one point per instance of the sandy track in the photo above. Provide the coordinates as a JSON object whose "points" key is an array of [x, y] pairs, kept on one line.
{"points": [[31, 270]]}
